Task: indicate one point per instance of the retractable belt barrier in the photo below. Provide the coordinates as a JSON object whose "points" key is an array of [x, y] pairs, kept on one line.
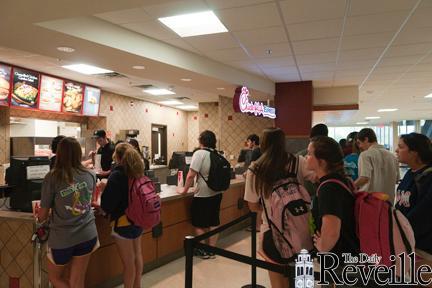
{"points": [[192, 242]]}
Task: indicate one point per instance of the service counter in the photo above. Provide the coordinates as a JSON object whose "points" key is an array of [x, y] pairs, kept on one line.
{"points": [[159, 246]]}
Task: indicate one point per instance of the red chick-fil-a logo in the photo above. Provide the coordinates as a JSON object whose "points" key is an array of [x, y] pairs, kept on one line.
{"points": [[242, 104]]}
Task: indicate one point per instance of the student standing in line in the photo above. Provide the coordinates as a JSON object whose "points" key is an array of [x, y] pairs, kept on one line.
{"points": [[414, 193], [114, 202], [351, 160], [54, 144], [273, 165], [135, 144], [67, 191], [334, 210]]}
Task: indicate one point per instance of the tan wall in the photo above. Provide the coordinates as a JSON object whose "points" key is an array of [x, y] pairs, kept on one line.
{"points": [[193, 130], [140, 116], [209, 119]]}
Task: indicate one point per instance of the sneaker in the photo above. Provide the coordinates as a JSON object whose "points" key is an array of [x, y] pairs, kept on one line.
{"points": [[211, 255], [201, 254]]}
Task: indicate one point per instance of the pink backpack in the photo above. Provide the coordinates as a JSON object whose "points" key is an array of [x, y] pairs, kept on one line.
{"points": [[381, 229], [289, 215], [144, 204]]}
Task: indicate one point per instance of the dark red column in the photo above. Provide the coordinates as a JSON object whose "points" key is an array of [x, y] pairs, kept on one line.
{"points": [[293, 102]]}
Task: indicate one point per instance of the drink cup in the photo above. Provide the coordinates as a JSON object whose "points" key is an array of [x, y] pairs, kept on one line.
{"points": [[35, 207]]}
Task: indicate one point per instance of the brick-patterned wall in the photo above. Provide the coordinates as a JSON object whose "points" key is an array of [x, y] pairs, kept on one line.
{"points": [[209, 119], [4, 135], [140, 116], [237, 126], [193, 130]]}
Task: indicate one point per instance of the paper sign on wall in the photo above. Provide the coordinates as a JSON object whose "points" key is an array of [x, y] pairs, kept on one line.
{"points": [[37, 172]]}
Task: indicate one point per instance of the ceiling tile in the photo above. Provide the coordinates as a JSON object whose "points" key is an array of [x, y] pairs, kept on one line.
{"points": [[298, 11], [262, 36], [151, 29], [315, 30], [212, 42], [397, 61], [175, 8], [360, 54], [222, 4], [427, 59], [248, 66], [421, 67], [392, 69], [346, 82], [378, 23], [322, 83], [281, 70], [365, 7], [421, 18], [414, 36], [366, 41], [317, 67], [410, 49], [250, 17], [125, 16], [278, 78], [234, 54], [360, 65], [317, 76], [277, 50], [315, 46], [316, 58], [275, 62], [352, 73]]}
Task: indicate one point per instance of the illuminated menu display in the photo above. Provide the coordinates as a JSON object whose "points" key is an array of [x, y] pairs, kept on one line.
{"points": [[91, 101], [25, 91], [51, 90], [4, 84], [72, 97]]}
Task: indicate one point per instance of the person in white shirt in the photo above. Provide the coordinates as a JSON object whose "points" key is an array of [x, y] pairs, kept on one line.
{"points": [[378, 168]]}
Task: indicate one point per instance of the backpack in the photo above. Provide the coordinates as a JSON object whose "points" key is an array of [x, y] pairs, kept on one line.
{"points": [[289, 215], [144, 204], [381, 229], [219, 177]]}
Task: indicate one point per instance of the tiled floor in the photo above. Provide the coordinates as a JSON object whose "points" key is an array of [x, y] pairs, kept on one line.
{"points": [[211, 273]]}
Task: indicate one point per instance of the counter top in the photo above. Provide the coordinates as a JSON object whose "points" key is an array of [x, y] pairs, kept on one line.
{"points": [[14, 215], [169, 192]]}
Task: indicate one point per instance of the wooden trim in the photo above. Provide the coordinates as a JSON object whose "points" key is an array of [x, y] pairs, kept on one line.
{"points": [[335, 107]]}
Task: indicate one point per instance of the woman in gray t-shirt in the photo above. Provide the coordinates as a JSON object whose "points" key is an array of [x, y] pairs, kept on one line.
{"points": [[67, 191]]}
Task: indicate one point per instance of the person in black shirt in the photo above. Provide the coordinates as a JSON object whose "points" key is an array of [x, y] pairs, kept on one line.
{"points": [[106, 149], [54, 144], [252, 143], [414, 193], [334, 207]]}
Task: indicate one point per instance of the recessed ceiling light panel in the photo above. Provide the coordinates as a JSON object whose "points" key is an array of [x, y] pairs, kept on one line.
{"points": [[87, 69], [372, 117], [428, 96], [186, 79], [362, 123], [187, 107], [138, 67], [158, 91], [388, 110], [194, 24], [220, 88], [171, 102]]}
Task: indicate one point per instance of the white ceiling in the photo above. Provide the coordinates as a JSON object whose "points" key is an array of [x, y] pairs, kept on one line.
{"points": [[383, 46]]}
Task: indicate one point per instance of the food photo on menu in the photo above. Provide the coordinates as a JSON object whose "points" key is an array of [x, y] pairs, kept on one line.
{"points": [[4, 84], [91, 101], [73, 97], [50, 93], [25, 88]]}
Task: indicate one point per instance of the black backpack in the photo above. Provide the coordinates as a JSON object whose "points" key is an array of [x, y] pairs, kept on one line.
{"points": [[220, 172]]}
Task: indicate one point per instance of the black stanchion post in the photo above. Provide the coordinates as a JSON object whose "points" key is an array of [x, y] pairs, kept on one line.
{"points": [[188, 245], [253, 254]]}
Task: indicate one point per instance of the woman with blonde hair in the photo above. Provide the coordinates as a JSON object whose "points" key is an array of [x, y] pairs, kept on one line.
{"points": [[67, 191], [114, 202]]}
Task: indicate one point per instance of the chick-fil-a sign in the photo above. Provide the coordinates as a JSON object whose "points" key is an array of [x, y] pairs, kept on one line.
{"points": [[241, 103]]}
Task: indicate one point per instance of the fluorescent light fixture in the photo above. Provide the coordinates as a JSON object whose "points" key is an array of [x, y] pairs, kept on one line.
{"points": [[186, 79], [388, 110], [158, 91], [362, 123], [428, 96], [86, 69], [220, 88], [187, 107], [372, 117], [171, 102], [138, 67], [65, 49], [194, 24]]}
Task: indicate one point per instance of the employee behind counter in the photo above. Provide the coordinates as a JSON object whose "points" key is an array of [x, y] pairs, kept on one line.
{"points": [[106, 150]]}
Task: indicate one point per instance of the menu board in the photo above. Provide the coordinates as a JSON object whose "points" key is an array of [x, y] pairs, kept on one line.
{"points": [[50, 93], [25, 88], [72, 97], [4, 84], [91, 101]]}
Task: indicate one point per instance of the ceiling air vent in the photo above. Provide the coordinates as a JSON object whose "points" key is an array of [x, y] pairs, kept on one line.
{"points": [[145, 86], [182, 98], [111, 75]]}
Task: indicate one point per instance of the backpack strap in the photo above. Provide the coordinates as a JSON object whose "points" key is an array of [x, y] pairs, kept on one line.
{"points": [[420, 179], [352, 191], [199, 173], [402, 232]]}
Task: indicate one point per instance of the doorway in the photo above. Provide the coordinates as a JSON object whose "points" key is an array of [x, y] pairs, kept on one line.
{"points": [[159, 144]]}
